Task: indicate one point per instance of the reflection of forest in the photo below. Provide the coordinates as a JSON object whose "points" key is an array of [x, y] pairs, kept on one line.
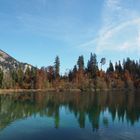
{"points": [[121, 106]]}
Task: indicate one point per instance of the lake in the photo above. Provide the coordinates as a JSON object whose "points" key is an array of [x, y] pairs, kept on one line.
{"points": [[70, 116]]}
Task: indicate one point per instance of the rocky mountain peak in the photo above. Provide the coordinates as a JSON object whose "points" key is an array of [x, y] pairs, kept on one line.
{"points": [[7, 62]]}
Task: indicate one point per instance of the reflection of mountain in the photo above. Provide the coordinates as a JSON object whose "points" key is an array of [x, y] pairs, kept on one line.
{"points": [[121, 106]]}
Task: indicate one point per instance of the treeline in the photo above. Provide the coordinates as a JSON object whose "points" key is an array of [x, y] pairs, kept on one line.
{"points": [[124, 74], [30, 77], [83, 76]]}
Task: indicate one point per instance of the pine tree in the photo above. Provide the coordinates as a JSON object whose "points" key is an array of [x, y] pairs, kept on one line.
{"points": [[116, 67], [1, 78], [70, 76], [50, 73], [33, 77], [75, 70], [120, 67], [111, 67], [93, 66], [57, 67], [20, 75], [80, 62]]}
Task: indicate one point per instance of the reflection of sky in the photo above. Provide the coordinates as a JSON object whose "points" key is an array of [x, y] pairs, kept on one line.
{"points": [[37, 127]]}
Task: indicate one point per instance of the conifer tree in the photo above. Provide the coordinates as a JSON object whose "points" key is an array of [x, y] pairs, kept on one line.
{"points": [[93, 66], [80, 62], [57, 67], [20, 75], [111, 67], [1, 78]]}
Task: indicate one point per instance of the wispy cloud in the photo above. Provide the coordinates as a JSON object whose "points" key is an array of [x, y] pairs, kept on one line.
{"points": [[65, 29], [119, 31]]}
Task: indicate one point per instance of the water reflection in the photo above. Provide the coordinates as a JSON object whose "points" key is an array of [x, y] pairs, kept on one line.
{"points": [[122, 107]]}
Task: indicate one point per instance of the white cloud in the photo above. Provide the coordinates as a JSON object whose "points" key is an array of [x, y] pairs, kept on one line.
{"points": [[119, 31], [108, 35], [125, 46], [105, 39], [138, 38]]}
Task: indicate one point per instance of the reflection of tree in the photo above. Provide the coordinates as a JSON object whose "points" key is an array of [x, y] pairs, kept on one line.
{"points": [[105, 121], [121, 106], [94, 117], [57, 119], [81, 119]]}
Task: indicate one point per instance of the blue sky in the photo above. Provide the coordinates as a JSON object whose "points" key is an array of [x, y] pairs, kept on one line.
{"points": [[35, 31]]}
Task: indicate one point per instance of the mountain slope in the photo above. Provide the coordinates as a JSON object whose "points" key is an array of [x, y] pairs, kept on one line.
{"points": [[7, 62]]}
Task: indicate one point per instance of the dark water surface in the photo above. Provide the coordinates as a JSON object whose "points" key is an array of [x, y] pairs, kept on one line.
{"points": [[70, 116]]}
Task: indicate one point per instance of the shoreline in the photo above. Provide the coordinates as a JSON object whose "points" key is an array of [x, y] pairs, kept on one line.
{"points": [[12, 91]]}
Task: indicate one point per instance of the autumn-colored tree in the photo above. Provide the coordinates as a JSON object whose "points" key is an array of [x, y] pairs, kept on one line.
{"points": [[80, 72], [41, 79], [50, 73], [125, 74]]}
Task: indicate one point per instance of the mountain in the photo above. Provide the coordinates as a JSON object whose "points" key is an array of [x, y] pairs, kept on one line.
{"points": [[7, 62]]}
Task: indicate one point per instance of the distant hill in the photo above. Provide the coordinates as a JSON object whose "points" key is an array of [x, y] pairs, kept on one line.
{"points": [[7, 62]]}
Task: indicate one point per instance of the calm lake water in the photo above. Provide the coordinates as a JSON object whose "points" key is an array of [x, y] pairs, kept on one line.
{"points": [[70, 116]]}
